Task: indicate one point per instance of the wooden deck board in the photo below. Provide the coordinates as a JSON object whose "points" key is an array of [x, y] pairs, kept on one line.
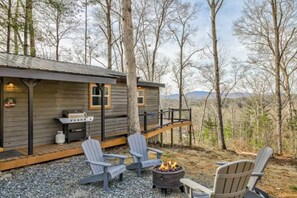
{"points": [[44, 153]]}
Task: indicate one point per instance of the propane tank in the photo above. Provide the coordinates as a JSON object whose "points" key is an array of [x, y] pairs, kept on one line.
{"points": [[60, 137]]}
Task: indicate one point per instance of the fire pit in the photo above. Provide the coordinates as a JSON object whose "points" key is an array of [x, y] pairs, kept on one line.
{"points": [[167, 176]]}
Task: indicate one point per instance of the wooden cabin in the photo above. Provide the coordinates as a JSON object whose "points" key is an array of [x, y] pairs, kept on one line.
{"points": [[36, 93]]}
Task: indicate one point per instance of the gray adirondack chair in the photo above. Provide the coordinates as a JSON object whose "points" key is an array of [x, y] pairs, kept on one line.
{"points": [[261, 162], [102, 171], [139, 152], [230, 181]]}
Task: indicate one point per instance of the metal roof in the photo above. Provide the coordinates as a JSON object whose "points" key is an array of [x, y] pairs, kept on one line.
{"points": [[27, 62], [45, 67], [150, 84]]}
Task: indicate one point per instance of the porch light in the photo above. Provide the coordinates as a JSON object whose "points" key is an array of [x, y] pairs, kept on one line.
{"points": [[10, 85]]}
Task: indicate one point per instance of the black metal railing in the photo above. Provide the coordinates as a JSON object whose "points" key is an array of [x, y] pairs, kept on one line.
{"points": [[116, 125]]}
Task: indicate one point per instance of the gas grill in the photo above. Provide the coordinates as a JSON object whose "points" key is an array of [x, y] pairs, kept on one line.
{"points": [[74, 124]]}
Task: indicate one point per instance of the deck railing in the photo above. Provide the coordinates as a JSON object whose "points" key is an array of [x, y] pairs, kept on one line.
{"points": [[151, 121]]}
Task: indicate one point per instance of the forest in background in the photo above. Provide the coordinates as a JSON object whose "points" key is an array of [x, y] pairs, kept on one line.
{"points": [[56, 29]]}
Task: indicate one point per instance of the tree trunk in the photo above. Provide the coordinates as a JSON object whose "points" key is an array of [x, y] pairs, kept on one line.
{"points": [[109, 34], [289, 96], [217, 75], [16, 29], [203, 116], [26, 25], [57, 35], [8, 27], [180, 106], [31, 29], [277, 59], [133, 114]]}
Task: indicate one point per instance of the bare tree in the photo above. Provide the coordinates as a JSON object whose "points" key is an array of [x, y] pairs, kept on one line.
{"points": [[59, 22], [152, 18], [277, 59], [31, 28], [26, 27], [215, 6], [268, 28], [184, 15], [15, 25], [93, 42], [133, 117], [8, 26], [105, 25]]}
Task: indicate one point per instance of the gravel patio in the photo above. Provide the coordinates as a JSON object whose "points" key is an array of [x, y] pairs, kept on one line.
{"points": [[60, 178]]}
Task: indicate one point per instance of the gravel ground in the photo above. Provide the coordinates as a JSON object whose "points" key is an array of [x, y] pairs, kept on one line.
{"points": [[60, 179]]}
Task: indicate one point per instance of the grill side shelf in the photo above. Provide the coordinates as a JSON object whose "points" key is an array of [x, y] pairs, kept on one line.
{"points": [[76, 120]]}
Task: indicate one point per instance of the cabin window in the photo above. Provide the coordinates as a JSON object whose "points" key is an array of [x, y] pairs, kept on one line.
{"points": [[140, 97], [95, 96]]}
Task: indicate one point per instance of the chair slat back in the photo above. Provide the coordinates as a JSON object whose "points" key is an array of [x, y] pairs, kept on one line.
{"points": [[261, 162], [137, 144], [93, 152], [231, 179]]}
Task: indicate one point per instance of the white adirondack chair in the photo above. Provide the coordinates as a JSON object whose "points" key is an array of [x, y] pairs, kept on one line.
{"points": [[261, 162], [139, 151], [102, 171], [230, 181]]}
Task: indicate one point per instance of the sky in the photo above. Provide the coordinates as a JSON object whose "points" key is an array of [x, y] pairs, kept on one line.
{"points": [[230, 12]]}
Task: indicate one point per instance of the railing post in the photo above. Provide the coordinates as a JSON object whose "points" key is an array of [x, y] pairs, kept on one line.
{"points": [[145, 122], [171, 130], [161, 126], [102, 91], [190, 126], [169, 113], [190, 112]]}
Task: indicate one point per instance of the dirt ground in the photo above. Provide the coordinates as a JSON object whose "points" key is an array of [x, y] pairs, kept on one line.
{"points": [[279, 180]]}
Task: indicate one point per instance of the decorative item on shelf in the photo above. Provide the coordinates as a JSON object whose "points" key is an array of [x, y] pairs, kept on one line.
{"points": [[10, 102], [60, 137]]}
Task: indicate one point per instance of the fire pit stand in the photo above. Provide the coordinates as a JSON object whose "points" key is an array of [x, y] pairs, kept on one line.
{"points": [[167, 179]]}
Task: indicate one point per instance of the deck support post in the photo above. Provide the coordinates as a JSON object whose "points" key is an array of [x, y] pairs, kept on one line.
{"points": [[145, 122], [2, 112], [161, 126], [190, 127], [102, 91], [30, 84], [171, 130]]}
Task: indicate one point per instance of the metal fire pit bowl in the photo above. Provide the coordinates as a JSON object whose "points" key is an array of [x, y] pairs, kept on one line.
{"points": [[168, 179]]}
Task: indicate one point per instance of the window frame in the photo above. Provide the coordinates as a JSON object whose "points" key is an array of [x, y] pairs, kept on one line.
{"points": [[144, 97], [96, 107]]}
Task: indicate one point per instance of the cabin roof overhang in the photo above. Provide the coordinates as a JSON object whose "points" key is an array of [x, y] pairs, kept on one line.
{"points": [[46, 75], [149, 84], [21, 66], [37, 68]]}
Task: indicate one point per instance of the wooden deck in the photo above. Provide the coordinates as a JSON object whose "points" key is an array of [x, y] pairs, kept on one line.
{"points": [[44, 153]]}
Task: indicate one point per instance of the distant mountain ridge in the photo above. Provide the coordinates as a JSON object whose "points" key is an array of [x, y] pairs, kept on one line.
{"points": [[198, 95]]}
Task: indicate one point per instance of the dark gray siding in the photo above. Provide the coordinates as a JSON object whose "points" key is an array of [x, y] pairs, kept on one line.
{"points": [[51, 97]]}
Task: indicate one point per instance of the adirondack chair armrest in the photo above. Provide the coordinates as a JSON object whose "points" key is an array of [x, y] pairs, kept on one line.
{"points": [[121, 157], [159, 153], [257, 174], [99, 163], [135, 154], [221, 163], [195, 186], [155, 150], [116, 156]]}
